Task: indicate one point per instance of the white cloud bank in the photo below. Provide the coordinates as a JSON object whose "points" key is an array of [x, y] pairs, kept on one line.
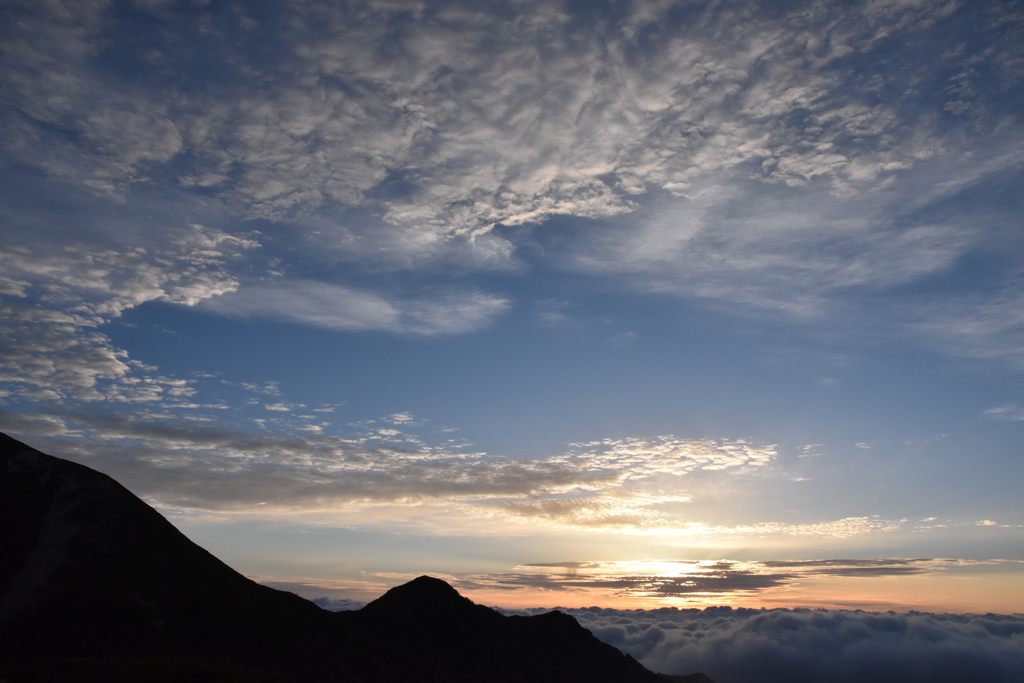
{"points": [[809, 646]]}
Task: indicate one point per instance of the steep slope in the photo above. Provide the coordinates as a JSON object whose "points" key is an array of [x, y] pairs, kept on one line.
{"points": [[91, 573], [96, 585]]}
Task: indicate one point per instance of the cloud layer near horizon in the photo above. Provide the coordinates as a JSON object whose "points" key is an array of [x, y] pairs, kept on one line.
{"points": [[807, 646], [739, 645]]}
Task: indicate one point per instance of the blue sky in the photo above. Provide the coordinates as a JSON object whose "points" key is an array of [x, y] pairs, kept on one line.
{"points": [[359, 291]]}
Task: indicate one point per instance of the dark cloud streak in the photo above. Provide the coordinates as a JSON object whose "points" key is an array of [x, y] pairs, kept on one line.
{"points": [[696, 579]]}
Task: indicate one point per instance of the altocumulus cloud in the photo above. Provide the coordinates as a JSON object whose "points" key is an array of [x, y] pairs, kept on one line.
{"points": [[810, 646], [56, 301], [498, 117], [381, 474], [780, 158], [200, 465], [211, 467]]}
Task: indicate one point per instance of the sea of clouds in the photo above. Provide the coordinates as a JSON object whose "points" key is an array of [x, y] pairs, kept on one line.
{"points": [[742, 645], [795, 645]]}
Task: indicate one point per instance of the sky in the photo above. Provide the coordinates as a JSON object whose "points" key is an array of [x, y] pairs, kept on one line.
{"points": [[637, 305]]}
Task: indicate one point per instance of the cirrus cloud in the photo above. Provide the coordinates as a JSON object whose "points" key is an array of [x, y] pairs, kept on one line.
{"points": [[321, 304]]}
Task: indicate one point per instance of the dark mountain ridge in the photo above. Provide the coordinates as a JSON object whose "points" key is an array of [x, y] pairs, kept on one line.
{"points": [[96, 585]]}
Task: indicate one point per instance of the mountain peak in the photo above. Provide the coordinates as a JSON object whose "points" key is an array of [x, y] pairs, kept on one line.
{"points": [[429, 587], [425, 598], [425, 590]]}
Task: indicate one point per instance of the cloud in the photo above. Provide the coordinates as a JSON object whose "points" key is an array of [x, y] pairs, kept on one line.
{"points": [[57, 300], [341, 308], [612, 511], [566, 565], [473, 118], [669, 454], [743, 644], [802, 162], [625, 579], [381, 474], [855, 567], [28, 426], [98, 284], [736, 645], [981, 326], [810, 450], [635, 486], [308, 471], [784, 160], [840, 528], [338, 604], [677, 583], [732, 241], [1011, 412]]}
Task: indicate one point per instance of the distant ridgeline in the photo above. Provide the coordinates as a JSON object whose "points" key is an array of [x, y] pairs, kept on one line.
{"points": [[96, 585]]}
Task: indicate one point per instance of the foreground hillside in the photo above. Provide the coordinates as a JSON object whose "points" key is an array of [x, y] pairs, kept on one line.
{"points": [[96, 585]]}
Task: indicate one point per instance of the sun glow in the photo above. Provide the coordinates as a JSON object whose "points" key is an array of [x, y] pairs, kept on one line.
{"points": [[879, 585]]}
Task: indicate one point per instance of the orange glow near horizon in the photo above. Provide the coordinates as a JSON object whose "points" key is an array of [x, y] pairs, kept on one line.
{"points": [[953, 586], [1000, 595]]}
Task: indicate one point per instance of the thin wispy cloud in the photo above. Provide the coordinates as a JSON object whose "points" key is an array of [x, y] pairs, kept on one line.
{"points": [[330, 306]]}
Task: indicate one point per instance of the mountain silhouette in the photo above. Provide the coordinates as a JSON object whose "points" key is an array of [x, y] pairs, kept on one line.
{"points": [[95, 585]]}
